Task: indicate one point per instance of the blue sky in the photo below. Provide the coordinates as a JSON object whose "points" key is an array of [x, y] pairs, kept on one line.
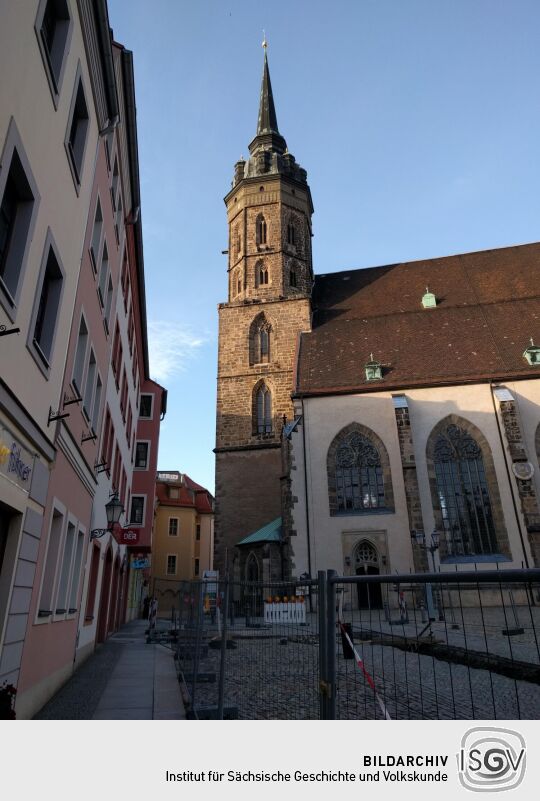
{"points": [[418, 122]]}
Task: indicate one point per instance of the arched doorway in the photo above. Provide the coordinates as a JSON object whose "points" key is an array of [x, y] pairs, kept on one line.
{"points": [[366, 563]]}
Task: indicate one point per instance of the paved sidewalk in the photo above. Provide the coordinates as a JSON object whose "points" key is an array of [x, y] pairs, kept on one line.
{"points": [[125, 679]]}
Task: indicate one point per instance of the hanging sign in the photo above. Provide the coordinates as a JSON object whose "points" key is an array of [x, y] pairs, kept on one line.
{"points": [[126, 536]]}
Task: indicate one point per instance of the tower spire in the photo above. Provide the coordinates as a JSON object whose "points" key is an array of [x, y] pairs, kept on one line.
{"points": [[267, 121], [268, 137]]}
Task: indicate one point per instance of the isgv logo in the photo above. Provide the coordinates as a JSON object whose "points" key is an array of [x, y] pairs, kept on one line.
{"points": [[491, 759]]}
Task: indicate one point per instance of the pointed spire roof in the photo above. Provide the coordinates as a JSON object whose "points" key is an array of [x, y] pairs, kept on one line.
{"points": [[267, 122], [268, 136]]}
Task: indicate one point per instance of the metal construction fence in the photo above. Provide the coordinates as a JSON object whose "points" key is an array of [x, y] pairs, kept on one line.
{"points": [[421, 646]]}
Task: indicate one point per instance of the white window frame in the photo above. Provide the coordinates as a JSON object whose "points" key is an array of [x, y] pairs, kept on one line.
{"points": [[148, 443], [177, 527], [175, 557], [56, 506], [137, 495]]}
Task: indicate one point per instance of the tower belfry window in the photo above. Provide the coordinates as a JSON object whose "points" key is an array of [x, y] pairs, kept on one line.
{"points": [[261, 273], [291, 234], [292, 277], [260, 232], [264, 410], [264, 344]]}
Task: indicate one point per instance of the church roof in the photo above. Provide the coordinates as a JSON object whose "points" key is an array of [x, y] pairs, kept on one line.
{"points": [[271, 532], [487, 309]]}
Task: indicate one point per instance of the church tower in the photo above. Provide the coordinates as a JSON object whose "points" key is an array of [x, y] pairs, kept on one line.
{"points": [[270, 277]]}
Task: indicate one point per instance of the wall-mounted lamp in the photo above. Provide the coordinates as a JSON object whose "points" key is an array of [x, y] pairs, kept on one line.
{"points": [[114, 510]]}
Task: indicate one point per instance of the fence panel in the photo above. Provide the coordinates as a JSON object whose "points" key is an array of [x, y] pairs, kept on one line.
{"points": [[250, 651], [438, 646], [424, 646]]}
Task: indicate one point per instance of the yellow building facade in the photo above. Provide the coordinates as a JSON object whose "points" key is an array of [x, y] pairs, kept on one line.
{"points": [[183, 540]]}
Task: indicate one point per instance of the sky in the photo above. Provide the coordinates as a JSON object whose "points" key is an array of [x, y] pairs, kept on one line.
{"points": [[418, 122]]}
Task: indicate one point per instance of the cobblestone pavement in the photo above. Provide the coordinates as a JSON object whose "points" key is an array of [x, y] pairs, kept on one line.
{"points": [[273, 674]]}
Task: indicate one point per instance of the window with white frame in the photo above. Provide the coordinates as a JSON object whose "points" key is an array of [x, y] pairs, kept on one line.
{"points": [[141, 455], [90, 383], [97, 404], [103, 275], [46, 311], [171, 564], [77, 130], [96, 236], [80, 356], [18, 207], [174, 525], [136, 517], [65, 570], [76, 573], [53, 29], [108, 306], [45, 605]]}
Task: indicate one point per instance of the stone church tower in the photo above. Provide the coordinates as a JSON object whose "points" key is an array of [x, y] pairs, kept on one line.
{"points": [[270, 277]]}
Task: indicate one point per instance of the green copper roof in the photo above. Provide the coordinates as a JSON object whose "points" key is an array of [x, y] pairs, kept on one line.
{"points": [[269, 533]]}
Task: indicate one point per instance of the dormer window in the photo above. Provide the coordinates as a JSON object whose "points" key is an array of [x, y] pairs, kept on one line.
{"points": [[429, 301], [373, 369], [532, 354]]}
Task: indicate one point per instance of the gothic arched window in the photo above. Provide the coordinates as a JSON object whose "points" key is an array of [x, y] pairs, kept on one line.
{"points": [[238, 283], [358, 471], [260, 332], [358, 474], [291, 233], [292, 277], [263, 410], [261, 274], [264, 344], [260, 230], [463, 493]]}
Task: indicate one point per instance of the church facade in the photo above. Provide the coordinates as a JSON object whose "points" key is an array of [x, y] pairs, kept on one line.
{"points": [[359, 412]]}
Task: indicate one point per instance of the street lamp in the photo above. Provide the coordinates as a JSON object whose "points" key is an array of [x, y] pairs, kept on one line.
{"points": [[419, 538], [114, 510]]}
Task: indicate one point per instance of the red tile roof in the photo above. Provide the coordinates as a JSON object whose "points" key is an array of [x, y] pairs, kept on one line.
{"points": [[190, 494], [488, 307]]}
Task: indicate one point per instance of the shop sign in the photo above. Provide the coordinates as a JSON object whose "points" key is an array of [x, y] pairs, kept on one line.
{"points": [[140, 564], [127, 536], [16, 462]]}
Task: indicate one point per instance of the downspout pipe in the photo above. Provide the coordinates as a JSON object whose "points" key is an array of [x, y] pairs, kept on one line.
{"points": [[509, 476], [104, 33], [308, 533], [135, 214]]}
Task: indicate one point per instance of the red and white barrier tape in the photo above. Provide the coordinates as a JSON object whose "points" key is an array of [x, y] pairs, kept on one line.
{"points": [[360, 663]]}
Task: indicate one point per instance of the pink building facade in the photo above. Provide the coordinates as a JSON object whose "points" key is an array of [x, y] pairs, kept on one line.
{"points": [[66, 581]]}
